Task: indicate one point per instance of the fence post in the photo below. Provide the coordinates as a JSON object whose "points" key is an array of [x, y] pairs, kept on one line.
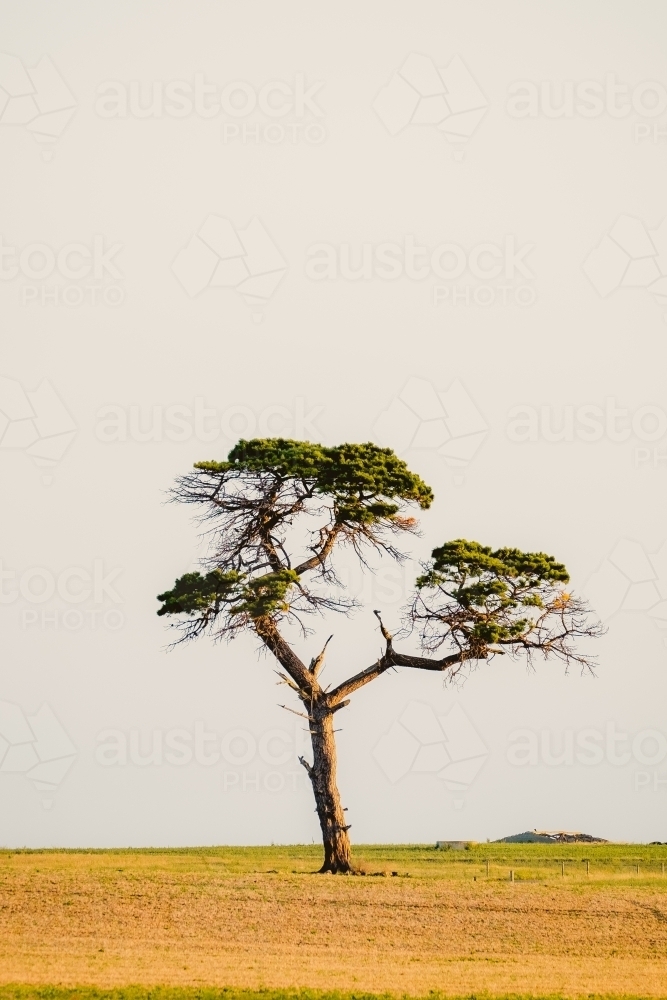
{"points": [[511, 874], [562, 869]]}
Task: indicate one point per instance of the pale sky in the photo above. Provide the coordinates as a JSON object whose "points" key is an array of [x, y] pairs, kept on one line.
{"points": [[435, 225]]}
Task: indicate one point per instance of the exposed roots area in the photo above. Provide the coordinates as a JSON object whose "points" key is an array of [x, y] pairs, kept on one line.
{"points": [[350, 869], [339, 869]]}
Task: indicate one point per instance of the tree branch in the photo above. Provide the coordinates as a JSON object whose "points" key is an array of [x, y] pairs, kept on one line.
{"points": [[391, 659], [294, 712], [286, 680], [268, 632], [386, 635], [423, 662], [317, 662], [318, 559], [302, 760]]}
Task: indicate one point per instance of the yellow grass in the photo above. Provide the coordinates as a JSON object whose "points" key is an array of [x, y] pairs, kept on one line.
{"points": [[257, 917]]}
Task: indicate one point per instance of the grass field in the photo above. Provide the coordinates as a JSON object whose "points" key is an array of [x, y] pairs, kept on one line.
{"points": [[118, 924]]}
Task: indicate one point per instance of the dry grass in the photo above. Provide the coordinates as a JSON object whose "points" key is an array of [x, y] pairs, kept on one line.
{"points": [[257, 917]]}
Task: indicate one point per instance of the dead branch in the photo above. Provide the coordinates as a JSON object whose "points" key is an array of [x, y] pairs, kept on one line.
{"points": [[286, 680], [294, 712], [302, 760], [317, 662], [386, 635]]}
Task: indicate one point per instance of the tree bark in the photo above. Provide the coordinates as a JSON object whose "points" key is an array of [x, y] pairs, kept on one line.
{"points": [[322, 774]]}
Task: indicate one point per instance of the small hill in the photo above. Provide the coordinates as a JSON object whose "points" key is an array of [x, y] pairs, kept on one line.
{"points": [[551, 837]]}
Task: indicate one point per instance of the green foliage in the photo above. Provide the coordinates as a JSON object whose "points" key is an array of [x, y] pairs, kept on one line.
{"points": [[193, 593], [478, 572], [365, 469], [353, 474], [490, 588], [359, 513], [265, 595], [197, 595], [471, 559], [286, 458]]}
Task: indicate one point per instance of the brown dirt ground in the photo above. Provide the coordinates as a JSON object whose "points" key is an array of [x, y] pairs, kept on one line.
{"points": [[114, 919]]}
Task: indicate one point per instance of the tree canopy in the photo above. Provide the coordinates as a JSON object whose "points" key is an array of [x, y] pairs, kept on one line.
{"points": [[355, 494], [471, 601]]}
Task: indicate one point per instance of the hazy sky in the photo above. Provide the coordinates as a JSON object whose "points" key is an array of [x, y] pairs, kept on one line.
{"points": [[438, 226]]}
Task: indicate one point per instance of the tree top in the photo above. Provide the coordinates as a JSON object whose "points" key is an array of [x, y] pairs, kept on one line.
{"points": [[278, 509], [352, 470]]}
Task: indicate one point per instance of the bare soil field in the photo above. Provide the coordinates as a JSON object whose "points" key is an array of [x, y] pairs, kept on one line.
{"points": [[258, 917]]}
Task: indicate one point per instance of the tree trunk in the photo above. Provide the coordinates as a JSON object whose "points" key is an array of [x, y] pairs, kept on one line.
{"points": [[322, 775]]}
